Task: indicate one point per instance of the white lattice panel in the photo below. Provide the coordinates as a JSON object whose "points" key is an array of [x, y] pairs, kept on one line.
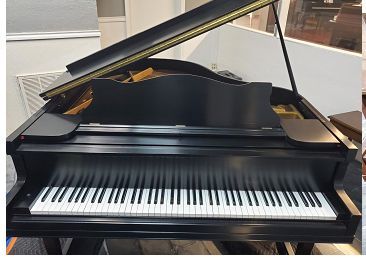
{"points": [[31, 86]]}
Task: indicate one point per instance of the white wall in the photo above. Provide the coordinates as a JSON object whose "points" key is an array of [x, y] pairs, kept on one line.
{"points": [[142, 15], [51, 15], [330, 79], [38, 56], [112, 29]]}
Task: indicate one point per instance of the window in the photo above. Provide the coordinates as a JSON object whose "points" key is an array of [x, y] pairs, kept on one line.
{"points": [[262, 19], [333, 23]]}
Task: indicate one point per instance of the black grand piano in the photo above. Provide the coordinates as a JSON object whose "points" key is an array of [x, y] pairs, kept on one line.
{"points": [[130, 146]]}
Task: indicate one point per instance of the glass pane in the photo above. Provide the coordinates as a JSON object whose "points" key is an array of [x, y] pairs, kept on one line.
{"points": [[261, 19], [329, 22]]}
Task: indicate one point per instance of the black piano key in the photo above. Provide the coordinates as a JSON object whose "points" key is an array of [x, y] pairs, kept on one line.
{"points": [[209, 189], [95, 195], [63, 194], [172, 190], [172, 196], [233, 197], [133, 197], [54, 198], [79, 194], [287, 198], [200, 198], [111, 195], [188, 190], [248, 197], [188, 197], [119, 190], [194, 196], [46, 194], [142, 185], [303, 199], [125, 188], [178, 195], [194, 191], [231, 191], [151, 190], [179, 190], [73, 194], [85, 194], [293, 199], [124, 193], [265, 198], [307, 195], [102, 195], [237, 193], [200, 190], [225, 191], [210, 197], [271, 199], [255, 198], [239, 197], [157, 188], [277, 198], [226, 198], [316, 199], [162, 191]]}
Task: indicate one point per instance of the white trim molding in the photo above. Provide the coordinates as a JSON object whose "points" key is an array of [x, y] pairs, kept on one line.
{"points": [[112, 19], [52, 35]]}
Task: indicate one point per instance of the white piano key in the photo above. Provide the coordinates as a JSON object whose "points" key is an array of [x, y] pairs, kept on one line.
{"points": [[54, 207], [102, 209], [37, 204], [198, 205], [286, 210], [215, 206], [263, 206], [151, 206], [327, 210], [237, 208], [261, 213], [48, 201], [164, 207], [271, 208], [173, 208], [180, 205], [112, 205], [140, 210], [247, 208], [87, 203], [145, 210], [191, 211], [312, 210], [65, 203], [76, 206], [72, 203], [125, 208], [305, 214], [207, 208], [134, 205], [225, 210], [296, 209], [94, 205]]}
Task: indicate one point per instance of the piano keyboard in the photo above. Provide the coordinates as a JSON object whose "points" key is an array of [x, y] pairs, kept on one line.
{"points": [[197, 203]]}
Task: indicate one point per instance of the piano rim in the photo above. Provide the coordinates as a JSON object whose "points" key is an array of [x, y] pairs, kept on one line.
{"points": [[163, 228]]}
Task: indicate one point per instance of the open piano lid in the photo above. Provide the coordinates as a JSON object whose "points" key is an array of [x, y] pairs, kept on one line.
{"points": [[152, 41]]}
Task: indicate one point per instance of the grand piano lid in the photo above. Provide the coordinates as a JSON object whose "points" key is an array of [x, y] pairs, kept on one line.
{"points": [[152, 41]]}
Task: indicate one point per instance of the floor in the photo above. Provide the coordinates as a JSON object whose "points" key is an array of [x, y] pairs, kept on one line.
{"points": [[117, 246]]}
